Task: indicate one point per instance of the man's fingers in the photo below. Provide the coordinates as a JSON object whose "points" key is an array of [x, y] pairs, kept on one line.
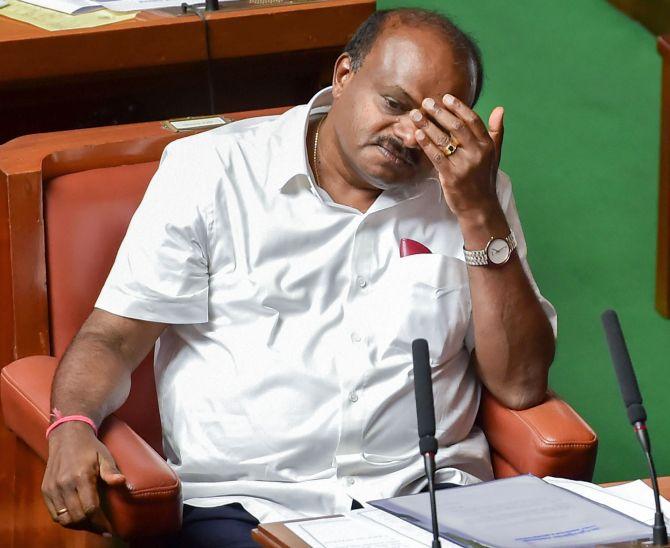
{"points": [[435, 155], [61, 511], [50, 505], [88, 495], [445, 121], [75, 511], [440, 137], [497, 129], [467, 115], [67, 505]]}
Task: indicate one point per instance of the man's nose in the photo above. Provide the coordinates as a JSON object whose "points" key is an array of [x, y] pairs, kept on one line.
{"points": [[404, 129]]}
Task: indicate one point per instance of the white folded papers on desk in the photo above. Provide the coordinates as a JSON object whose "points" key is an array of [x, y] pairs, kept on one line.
{"points": [[74, 7], [522, 511]]}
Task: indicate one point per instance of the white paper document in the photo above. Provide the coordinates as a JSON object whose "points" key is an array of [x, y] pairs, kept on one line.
{"points": [[522, 511], [635, 499], [364, 528], [73, 7], [67, 6]]}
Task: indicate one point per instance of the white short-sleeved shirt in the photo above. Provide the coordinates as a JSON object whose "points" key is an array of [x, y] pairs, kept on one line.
{"points": [[285, 377]]}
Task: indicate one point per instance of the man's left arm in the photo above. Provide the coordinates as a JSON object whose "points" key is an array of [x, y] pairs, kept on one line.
{"points": [[514, 340]]}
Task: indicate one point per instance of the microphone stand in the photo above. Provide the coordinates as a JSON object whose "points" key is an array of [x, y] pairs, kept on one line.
{"points": [[425, 418], [429, 464], [630, 391], [660, 534]]}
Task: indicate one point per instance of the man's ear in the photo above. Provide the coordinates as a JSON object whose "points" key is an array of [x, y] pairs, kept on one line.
{"points": [[342, 73]]}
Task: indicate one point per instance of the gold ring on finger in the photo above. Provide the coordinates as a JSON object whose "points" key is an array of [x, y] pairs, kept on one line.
{"points": [[450, 147], [61, 511]]}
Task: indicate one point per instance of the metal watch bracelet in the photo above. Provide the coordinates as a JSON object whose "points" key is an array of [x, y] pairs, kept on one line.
{"points": [[480, 257]]}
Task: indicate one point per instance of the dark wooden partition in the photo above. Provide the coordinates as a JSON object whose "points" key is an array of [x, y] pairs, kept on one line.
{"points": [[663, 242], [263, 53]]}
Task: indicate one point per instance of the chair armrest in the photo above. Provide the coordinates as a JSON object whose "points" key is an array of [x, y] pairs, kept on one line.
{"points": [[153, 507], [550, 439]]}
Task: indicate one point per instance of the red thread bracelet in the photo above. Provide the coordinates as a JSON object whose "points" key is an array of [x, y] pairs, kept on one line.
{"points": [[70, 418]]}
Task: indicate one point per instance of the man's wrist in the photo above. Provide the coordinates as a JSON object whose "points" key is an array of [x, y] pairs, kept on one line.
{"points": [[479, 226], [68, 429], [58, 419]]}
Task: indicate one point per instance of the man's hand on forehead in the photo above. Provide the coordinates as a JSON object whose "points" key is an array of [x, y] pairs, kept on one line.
{"points": [[463, 151]]}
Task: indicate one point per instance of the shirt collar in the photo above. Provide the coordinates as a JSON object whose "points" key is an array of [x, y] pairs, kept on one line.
{"points": [[292, 159]]}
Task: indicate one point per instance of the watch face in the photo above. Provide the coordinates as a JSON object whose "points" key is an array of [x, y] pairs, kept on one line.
{"points": [[498, 251]]}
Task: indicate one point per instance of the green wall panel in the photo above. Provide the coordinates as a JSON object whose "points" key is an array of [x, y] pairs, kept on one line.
{"points": [[580, 83]]}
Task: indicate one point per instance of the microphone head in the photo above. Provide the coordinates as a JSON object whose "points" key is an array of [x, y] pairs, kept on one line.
{"points": [[623, 367], [423, 388]]}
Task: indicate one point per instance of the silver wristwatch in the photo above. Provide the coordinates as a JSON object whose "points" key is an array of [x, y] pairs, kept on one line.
{"points": [[497, 252]]}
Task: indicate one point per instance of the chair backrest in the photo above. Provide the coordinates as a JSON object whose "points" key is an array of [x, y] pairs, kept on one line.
{"points": [[86, 216]]}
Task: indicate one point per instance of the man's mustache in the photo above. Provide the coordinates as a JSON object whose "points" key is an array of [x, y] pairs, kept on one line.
{"points": [[395, 146]]}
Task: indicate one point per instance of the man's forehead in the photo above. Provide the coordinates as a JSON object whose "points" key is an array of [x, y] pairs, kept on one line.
{"points": [[418, 60]]}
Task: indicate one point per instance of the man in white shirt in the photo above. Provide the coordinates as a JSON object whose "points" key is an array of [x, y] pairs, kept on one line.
{"points": [[268, 263]]}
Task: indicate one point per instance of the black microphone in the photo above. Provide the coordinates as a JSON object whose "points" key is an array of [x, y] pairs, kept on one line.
{"points": [[630, 391], [425, 418]]}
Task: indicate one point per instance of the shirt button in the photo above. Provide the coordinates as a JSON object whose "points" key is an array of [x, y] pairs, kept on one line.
{"points": [[353, 397], [351, 481], [355, 337], [361, 282]]}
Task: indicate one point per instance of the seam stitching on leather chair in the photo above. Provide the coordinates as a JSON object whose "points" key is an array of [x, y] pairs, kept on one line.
{"points": [[151, 493], [552, 443]]}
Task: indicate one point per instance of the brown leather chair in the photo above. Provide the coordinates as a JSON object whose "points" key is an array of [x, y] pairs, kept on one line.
{"points": [[89, 183]]}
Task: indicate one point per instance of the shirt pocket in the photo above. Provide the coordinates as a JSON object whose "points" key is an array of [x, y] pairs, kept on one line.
{"points": [[423, 296]]}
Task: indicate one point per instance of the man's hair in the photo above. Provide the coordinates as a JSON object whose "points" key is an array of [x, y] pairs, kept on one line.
{"points": [[466, 50]]}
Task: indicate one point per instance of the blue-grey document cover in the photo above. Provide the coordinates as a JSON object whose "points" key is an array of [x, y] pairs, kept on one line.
{"points": [[520, 511]]}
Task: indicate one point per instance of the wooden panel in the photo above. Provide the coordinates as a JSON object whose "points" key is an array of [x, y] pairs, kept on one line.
{"points": [[654, 15], [169, 92], [663, 241], [6, 309], [166, 38], [156, 66], [29, 284], [7, 476]]}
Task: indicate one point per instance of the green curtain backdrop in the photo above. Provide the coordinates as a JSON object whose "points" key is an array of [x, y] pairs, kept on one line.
{"points": [[580, 83]]}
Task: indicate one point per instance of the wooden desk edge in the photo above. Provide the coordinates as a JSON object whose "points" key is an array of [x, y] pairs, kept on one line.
{"points": [[277, 535]]}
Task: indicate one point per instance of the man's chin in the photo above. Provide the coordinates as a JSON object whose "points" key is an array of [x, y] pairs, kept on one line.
{"points": [[384, 178], [385, 184], [383, 172]]}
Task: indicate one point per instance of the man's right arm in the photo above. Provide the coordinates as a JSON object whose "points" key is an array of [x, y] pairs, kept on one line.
{"points": [[92, 379]]}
